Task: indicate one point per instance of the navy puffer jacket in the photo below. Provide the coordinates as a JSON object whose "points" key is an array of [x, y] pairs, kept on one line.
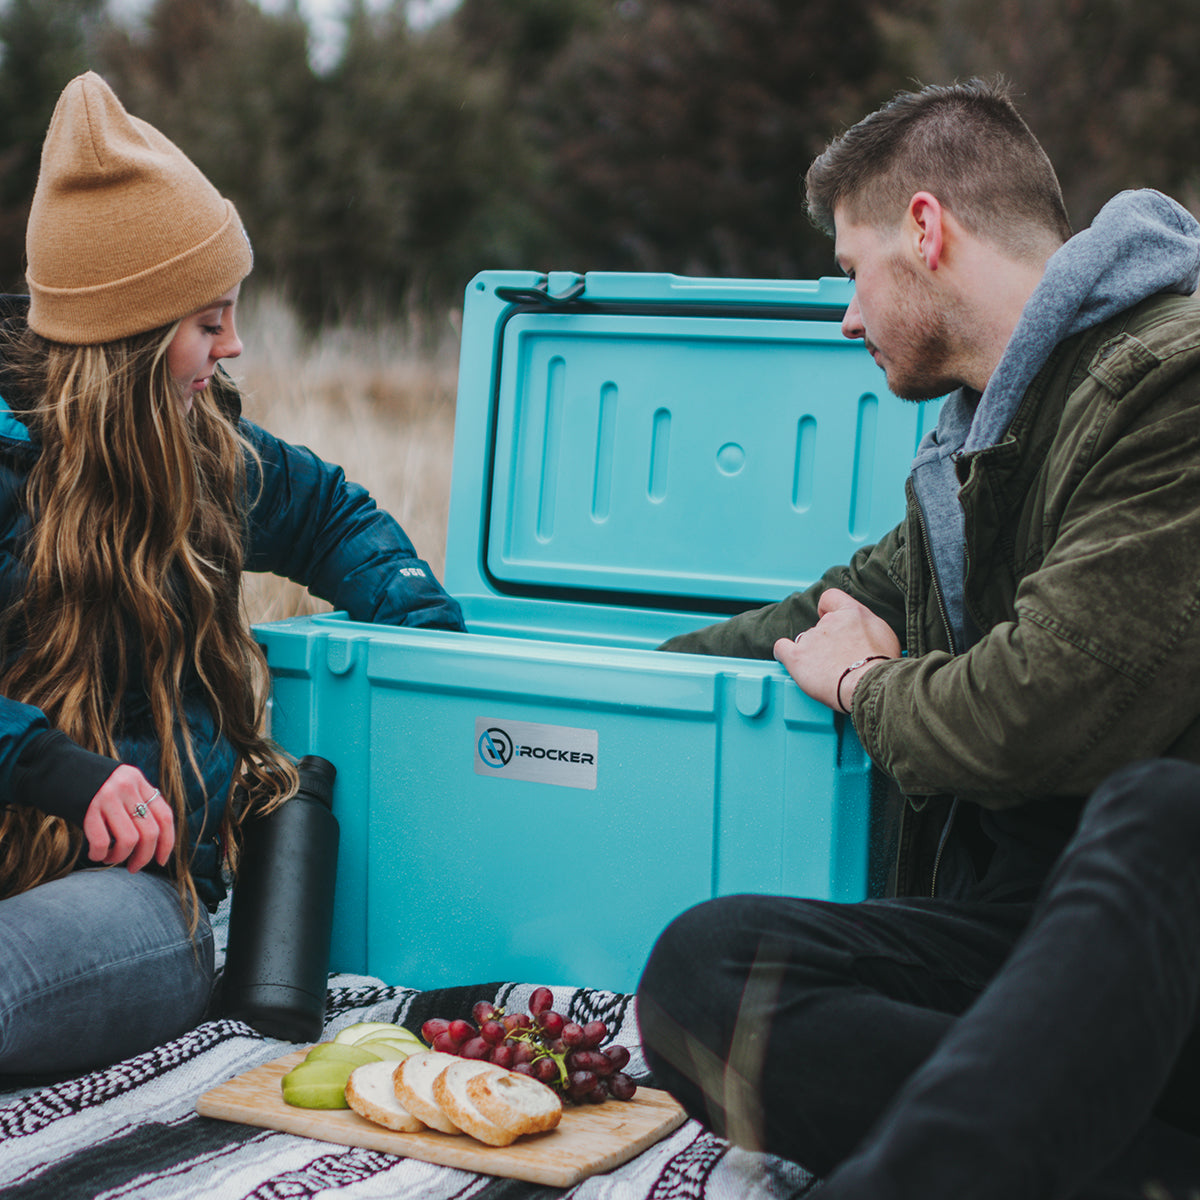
{"points": [[308, 524]]}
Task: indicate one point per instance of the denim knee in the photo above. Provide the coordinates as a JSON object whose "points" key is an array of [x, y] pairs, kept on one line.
{"points": [[95, 967]]}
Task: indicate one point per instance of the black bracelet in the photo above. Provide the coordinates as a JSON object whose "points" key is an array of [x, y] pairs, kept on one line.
{"points": [[862, 662]]}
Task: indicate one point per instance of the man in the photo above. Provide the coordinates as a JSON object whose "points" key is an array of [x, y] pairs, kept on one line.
{"points": [[1020, 1019]]}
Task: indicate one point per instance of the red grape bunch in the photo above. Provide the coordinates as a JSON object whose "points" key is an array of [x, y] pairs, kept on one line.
{"points": [[543, 1043]]}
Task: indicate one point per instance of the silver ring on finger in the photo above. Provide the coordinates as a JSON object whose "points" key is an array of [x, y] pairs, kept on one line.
{"points": [[140, 809], [155, 795]]}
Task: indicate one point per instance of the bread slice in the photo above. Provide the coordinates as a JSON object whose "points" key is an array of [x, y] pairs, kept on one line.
{"points": [[413, 1080], [449, 1088], [514, 1102], [371, 1094]]}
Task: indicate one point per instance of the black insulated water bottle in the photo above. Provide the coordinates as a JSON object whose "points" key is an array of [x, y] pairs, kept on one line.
{"points": [[281, 916]]}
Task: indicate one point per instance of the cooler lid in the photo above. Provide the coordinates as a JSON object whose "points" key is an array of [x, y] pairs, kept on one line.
{"points": [[653, 439]]}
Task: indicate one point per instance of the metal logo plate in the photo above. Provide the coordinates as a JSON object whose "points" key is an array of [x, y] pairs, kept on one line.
{"points": [[557, 754]]}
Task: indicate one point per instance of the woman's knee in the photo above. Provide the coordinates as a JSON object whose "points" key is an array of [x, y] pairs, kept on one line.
{"points": [[97, 966]]}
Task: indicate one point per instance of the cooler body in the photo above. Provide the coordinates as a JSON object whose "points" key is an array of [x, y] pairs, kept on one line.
{"points": [[635, 455]]}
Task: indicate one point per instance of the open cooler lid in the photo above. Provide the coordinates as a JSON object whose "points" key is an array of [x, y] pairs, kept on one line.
{"points": [[657, 441]]}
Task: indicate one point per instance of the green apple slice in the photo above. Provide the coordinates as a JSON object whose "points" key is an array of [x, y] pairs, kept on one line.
{"points": [[355, 1055], [397, 1033], [315, 1095], [391, 1049], [364, 1029], [321, 1071], [320, 1084]]}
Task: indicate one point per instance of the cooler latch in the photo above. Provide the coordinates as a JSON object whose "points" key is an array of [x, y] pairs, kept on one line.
{"points": [[541, 294]]}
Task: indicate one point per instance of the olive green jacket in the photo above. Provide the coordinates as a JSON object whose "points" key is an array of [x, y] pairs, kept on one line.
{"points": [[1082, 529]]}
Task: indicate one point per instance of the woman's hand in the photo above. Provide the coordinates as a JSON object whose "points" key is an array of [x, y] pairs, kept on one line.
{"points": [[128, 821]]}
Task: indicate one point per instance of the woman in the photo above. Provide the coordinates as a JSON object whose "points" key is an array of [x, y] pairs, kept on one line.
{"points": [[132, 497]]}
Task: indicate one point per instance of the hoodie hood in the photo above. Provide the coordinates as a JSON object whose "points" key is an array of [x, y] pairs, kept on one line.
{"points": [[1141, 243]]}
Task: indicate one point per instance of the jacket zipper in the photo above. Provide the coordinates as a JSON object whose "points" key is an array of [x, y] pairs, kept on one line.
{"points": [[937, 587], [941, 603], [937, 861]]}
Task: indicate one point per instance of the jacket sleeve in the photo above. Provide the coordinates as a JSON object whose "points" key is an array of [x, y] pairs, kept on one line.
{"points": [[1098, 665], [753, 634], [311, 525], [42, 768]]}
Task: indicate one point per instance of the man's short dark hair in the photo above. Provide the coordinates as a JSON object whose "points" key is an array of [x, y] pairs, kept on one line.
{"points": [[967, 144]]}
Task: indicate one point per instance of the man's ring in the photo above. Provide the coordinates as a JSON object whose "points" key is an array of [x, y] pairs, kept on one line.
{"points": [[140, 809], [798, 636]]}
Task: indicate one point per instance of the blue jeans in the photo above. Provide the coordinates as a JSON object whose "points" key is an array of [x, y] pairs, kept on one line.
{"points": [[96, 967], [924, 1049]]}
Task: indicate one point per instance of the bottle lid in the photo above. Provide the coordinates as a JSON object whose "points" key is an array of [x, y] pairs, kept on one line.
{"points": [[316, 778]]}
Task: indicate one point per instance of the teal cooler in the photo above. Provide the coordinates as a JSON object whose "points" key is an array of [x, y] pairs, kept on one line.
{"points": [[635, 455]]}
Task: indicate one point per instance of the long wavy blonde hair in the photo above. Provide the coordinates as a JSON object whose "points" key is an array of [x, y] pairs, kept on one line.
{"points": [[135, 554]]}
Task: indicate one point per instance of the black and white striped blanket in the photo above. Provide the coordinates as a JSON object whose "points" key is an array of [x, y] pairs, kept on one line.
{"points": [[132, 1130]]}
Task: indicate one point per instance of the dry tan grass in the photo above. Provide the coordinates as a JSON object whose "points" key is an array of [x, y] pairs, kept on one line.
{"points": [[365, 399]]}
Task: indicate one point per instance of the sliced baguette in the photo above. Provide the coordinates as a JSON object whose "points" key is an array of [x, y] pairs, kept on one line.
{"points": [[449, 1089], [514, 1102], [370, 1093], [413, 1080]]}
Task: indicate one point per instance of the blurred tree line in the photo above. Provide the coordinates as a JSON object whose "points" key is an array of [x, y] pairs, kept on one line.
{"points": [[577, 134]]}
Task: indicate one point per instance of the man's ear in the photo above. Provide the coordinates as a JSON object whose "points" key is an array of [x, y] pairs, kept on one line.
{"points": [[926, 227]]}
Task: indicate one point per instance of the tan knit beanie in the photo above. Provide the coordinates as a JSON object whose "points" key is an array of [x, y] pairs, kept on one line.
{"points": [[125, 234]]}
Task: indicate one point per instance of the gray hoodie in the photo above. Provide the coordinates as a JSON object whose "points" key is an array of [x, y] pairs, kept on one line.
{"points": [[1141, 243]]}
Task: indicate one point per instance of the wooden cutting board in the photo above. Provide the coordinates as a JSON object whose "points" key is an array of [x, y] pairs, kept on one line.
{"points": [[590, 1138]]}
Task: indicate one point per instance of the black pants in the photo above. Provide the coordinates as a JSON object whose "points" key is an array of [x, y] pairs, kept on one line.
{"points": [[940, 1050]]}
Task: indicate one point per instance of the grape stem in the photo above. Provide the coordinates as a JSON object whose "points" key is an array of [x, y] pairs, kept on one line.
{"points": [[532, 1037]]}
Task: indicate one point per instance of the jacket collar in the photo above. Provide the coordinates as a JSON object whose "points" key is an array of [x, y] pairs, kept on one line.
{"points": [[12, 429]]}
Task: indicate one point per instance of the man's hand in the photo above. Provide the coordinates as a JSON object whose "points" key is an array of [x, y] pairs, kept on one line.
{"points": [[128, 821], [845, 632]]}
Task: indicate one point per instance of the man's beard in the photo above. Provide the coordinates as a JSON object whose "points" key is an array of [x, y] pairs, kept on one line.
{"points": [[920, 370]]}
